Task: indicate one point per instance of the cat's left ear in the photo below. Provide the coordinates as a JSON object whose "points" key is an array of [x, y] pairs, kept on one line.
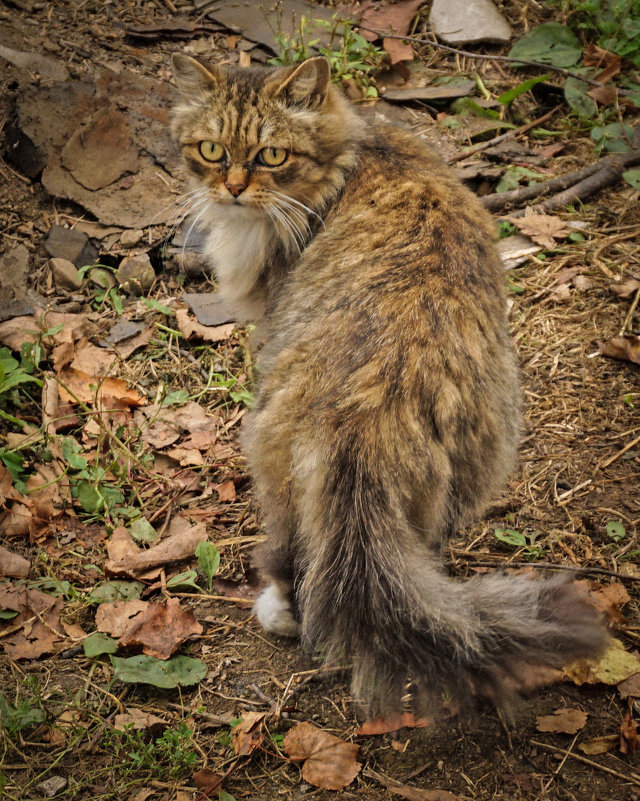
{"points": [[191, 76], [305, 85]]}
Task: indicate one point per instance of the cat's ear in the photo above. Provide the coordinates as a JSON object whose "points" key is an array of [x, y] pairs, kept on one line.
{"points": [[191, 76], [305, 85]]}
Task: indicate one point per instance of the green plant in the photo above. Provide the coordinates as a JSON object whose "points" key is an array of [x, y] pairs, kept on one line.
{"points": [[90, 484], [14, 374], [26, 712], [105, 293], [171, 755], [517, 539], [350, 56], [613, 25], [208, 560]]}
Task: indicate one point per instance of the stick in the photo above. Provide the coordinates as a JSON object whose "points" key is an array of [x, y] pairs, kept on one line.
{"points": [[590, 762], [620, 452], [600, 571], [515, 132]]}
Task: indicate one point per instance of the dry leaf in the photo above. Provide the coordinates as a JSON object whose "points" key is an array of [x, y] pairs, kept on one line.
{"points": [[614, 666], [626, 348], [49, 491], [330, 762], [15, 332], [599, 745], [187, 457], [207, 781], [109, 393], [397, 50], [626, 289], [389, 18], [628, 734], [93, 360], [139, 720], [381, 725], [543, 229], [12, 564], [36, 627], [191, 328], [607, 598], [630, 687], [226, 491], [249, 733], [115, 617], [565, 720], [161, 629]]}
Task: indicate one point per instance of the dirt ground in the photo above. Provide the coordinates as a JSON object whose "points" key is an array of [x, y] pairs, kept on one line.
{"points": [[575, 476]]}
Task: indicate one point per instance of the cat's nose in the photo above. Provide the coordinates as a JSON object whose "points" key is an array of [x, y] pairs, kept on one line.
{"points": [[236, 188]]}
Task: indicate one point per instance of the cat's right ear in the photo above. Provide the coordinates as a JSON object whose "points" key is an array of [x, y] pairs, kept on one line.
{"points": [[191, 77], [305, 85]]}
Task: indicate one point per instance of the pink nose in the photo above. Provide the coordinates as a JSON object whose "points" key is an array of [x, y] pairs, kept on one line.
{"points": [[236, 189]]}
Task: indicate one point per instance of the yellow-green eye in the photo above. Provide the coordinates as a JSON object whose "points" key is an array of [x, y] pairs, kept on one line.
{"points": [[273, 156], [211, 151]]}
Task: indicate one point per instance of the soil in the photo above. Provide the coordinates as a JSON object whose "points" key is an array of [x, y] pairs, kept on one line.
{"points": [[572, 480]]}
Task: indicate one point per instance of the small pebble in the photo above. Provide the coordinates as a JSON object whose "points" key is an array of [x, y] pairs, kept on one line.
{"points": [[135, 274], [130, 237], [64, 273]]}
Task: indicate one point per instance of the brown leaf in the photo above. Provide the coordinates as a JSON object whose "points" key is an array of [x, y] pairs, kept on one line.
{"points": [[628, 734], [37, 624], [109, 393], [161, 629], [630, 687], [115, 617], [249, 733], [93, 360], [139, 720], [330, 762], [15, 332], [226, 491], [615, 665], [607, 598], [12, 564], [626, 348], [599, 745], [605, 95], [120, 545], [191, 328], [180, 543], [381, 725], [395, 18], [398, 50], [565, 720], [207, 781], [187, 457], [543, 229], [626, 289]]}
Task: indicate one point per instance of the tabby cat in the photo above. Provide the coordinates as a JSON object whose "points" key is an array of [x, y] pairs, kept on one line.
{"points": [[388, 411]]}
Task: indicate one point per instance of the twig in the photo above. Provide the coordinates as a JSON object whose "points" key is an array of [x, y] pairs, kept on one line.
{"points": [[632, 309], [498, 201], [485, 57], [621, 452], [564, 759], [491, 142], [590, 762], [601, 571], [609, 172]]}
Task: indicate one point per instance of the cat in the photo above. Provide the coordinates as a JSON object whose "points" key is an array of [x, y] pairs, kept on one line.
{"points": [[388, 412]]}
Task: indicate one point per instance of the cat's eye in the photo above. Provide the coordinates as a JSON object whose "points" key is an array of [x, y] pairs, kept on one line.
{"points": [[272, 156], [211, 151]]}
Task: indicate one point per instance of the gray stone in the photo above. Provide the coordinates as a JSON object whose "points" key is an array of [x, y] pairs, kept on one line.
{"points": [[70, 244], [46, 66], [464, 22], [135, 274], [209, 308], [14, 269], [131, 237], [65, 273]]}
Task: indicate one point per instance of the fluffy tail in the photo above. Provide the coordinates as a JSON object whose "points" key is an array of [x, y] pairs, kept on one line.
{"points": [[374, 594]]}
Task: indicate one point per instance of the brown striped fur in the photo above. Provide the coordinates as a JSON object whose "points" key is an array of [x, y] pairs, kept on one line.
{"points": [[389, 407]]}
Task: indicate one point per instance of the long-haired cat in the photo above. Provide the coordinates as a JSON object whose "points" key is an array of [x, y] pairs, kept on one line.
{"points": [[388, 411]]}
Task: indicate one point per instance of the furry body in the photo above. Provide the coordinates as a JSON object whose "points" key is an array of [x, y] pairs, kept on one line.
{"points": [[388, 411]]}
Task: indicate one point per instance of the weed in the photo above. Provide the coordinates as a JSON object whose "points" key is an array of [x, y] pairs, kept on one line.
{"points": [[614, 25], [208, 560], [105, 291], [171, 755], [26, 712], [13, 375], [517, 539]]}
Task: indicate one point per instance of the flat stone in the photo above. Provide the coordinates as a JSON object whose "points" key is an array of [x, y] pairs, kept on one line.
{"points": [[14, 269], [70, 244], [131, 237], [136, 274], [209, 308], [438, 92], [46, 66], [464, 22], [22, 153], [65, 273]]}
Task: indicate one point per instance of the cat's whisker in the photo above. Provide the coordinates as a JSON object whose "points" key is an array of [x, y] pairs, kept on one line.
{"points": [[280, 220], [298, 203], [297, 214], [186, 239], [302, 234], [179, 201]]}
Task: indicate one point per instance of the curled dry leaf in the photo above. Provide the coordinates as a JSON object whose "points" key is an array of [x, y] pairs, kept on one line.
{"points": [[139, 720], [614, 666], [249, 733], [381, 725], [37, 625], [115, 617], [599, 745], [628, 734], [192, 329], [12, 564], [626, 348], [543, 229], [161, 629], [226, 491], [607, 598], [109, 393], [15, 332], [626, 289], [330, 763], [630, 687], [565, 721]]}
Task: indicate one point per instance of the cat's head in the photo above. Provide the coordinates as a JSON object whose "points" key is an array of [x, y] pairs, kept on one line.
{"points": [[275, 140]]}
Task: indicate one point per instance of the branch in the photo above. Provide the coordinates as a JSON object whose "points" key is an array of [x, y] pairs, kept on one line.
{"points": [[508, 59]]}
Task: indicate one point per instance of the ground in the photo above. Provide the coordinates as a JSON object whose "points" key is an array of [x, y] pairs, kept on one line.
{"points": [[571, 504]]}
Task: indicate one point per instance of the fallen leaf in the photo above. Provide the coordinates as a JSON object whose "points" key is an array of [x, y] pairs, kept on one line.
{"points": [[626, 348], [382, 725], [12, 564], [36, 625], [76, 386], [191, 328], [628, 734], [330, 763], [226, 491], [561, 293], [120, 545], [543, 229], [614, 666], [207, 781], [139, 720], [15, 332], [607, 598], [115, 617], [397, 50], [630, 687], [565, 720], [626, 289], [161, 629], [394, 18], [187, 457], [248, 734], [142, 669], [599, 745]]}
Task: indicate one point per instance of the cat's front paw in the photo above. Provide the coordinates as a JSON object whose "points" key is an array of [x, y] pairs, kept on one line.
{"points": [[273, 611]]}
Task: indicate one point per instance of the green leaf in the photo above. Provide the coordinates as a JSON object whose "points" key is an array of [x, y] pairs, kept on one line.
{"points": [[98, 643], [615, 530], [115, 590], [71, 454], [614, 138], [141, 530], [632, 177], [53, 587], [7, 614], [551, 43], [208, 560], [178, 671], [511, 94], [176, 397], [223, 795], [156, 306], [186, 579], [575, 93], [510, 536]]}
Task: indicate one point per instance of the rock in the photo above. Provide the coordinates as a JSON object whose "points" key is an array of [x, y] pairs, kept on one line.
{"points": [[52, 786], [209, 308], [65, 273], [48, 67], [131, 237], [464, 22], [22, 153], [14, 269], [70, 244], [135, 274]]}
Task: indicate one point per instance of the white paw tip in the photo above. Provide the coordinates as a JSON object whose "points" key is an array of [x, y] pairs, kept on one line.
{"points": [[274, 613]]}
